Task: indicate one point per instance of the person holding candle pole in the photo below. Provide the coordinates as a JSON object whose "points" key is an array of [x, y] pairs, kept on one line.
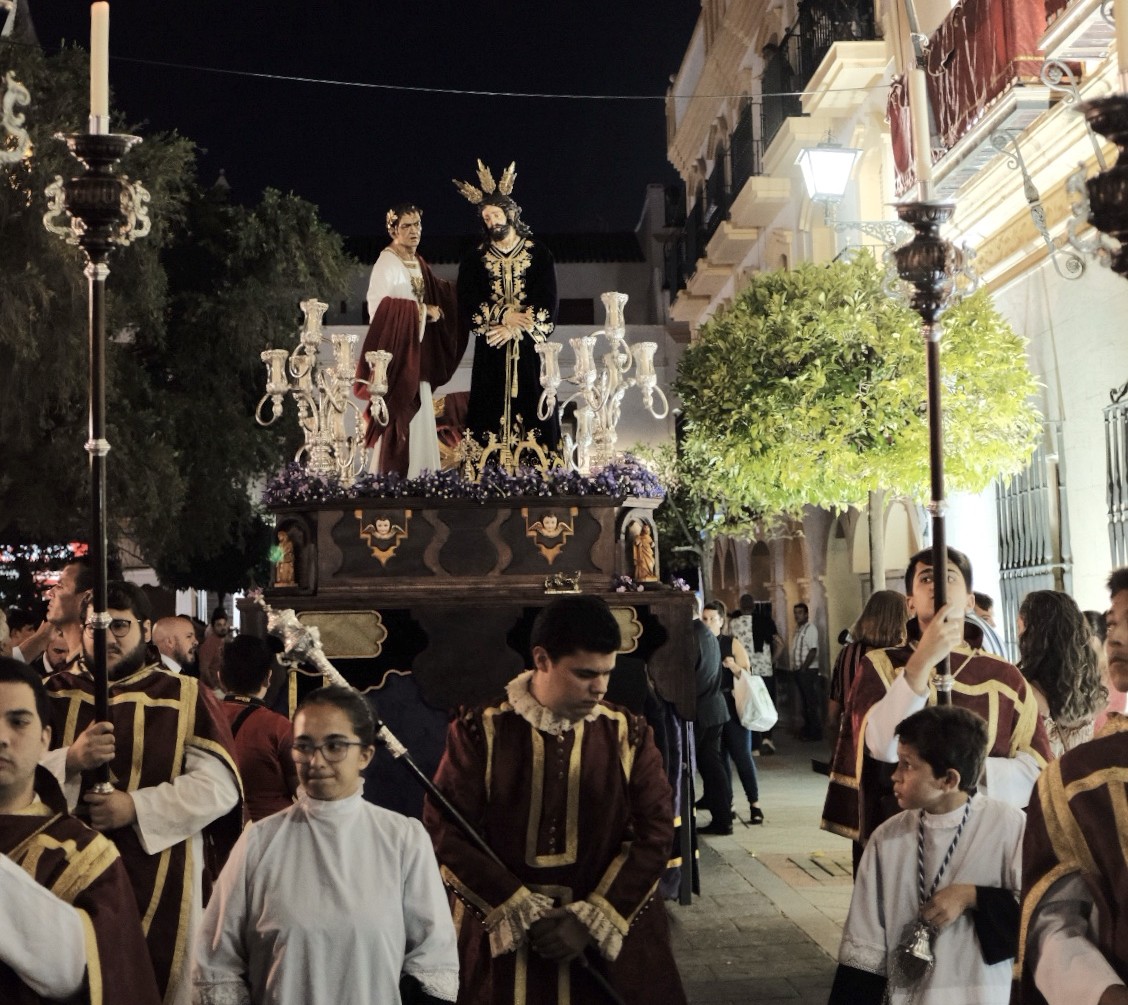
{"points": [[891, 684], [174, 810]]}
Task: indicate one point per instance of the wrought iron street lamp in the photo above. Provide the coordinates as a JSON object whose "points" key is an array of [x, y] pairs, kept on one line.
{"points": [[827, 169]]}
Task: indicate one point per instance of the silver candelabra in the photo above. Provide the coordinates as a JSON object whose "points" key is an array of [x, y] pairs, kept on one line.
{"points": [[600, 391], [322, 393]]}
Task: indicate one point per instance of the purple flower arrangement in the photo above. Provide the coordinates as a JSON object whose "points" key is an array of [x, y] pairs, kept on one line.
{"points": [[624, 584], [294, 485]]}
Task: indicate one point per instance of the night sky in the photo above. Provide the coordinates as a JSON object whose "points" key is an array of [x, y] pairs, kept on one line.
{"points": [[581, 164]]}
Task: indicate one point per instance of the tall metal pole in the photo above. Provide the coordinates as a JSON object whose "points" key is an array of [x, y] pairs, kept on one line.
{"points": [[930, 266], [97, 446], [104, 211]]}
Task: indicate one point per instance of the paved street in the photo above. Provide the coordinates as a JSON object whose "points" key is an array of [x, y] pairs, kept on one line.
{"points": [[773, 897]]}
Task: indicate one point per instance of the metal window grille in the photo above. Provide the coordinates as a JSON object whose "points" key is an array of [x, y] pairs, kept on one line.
{"points": [[1034, 551], [1116, 467], [746, 152], [716, 194]]}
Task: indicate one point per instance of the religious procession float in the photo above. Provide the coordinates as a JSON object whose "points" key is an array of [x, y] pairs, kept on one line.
{"points": [[423, 590]]}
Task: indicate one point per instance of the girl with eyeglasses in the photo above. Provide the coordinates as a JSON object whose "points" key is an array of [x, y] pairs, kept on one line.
{"points": [[335, 899]]}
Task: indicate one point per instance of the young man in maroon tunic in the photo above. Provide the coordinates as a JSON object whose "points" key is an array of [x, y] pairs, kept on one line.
{"points": [[570, 793], [71, 929], [1074, 930], [891, 684], [263, 738]]}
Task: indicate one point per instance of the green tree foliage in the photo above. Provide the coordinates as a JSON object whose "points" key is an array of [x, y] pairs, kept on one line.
{"points": [[189, 309], [810, 389]]}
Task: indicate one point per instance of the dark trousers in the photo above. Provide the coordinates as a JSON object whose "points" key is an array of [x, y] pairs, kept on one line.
{"points": [[716, 781], [736, 743], [810, 686]]}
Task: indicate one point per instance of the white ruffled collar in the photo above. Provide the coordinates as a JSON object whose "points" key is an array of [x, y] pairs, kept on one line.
{"points": [[533, 712]]}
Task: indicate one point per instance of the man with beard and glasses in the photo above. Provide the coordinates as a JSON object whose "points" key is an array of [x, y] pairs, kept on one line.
{"points": [[175, 811], [507, 299], [175, 639]]}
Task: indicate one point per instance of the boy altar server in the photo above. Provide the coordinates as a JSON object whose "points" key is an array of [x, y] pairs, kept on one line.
{"points": [[934, 915]]}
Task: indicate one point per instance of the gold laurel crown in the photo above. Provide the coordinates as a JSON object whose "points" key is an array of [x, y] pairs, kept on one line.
{"points": [[473, 194]]}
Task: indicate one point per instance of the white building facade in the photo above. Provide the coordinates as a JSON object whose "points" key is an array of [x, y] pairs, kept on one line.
{"points": [[761, 81]]}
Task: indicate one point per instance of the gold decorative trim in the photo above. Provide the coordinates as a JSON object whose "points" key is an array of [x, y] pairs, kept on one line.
{"points": [[623, 728], [1030, 902], [630, 628], [93, 959], [387, 539], [489, 731], [158, 889], [324, 622], [466, 893], [220, 752], [1061, 827], [72, 719], [177, 973], [138, 740], [83, 867], [536, 804]]}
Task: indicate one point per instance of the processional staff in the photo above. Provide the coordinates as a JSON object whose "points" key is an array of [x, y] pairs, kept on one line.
{"points": [[930, 266], [106, 210]]}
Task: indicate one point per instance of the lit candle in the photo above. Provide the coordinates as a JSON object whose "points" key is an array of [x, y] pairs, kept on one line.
{"points": [[100, 60], [918, 116], [1120, 15]]}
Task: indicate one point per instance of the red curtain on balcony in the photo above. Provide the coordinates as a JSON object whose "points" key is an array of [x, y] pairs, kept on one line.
{"points": [[981, 49], [900, 128]]}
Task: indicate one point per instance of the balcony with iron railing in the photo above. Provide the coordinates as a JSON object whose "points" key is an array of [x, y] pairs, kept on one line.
{"points": [[791, 64], [1077, 29], [738, 198], [983, 74]]}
